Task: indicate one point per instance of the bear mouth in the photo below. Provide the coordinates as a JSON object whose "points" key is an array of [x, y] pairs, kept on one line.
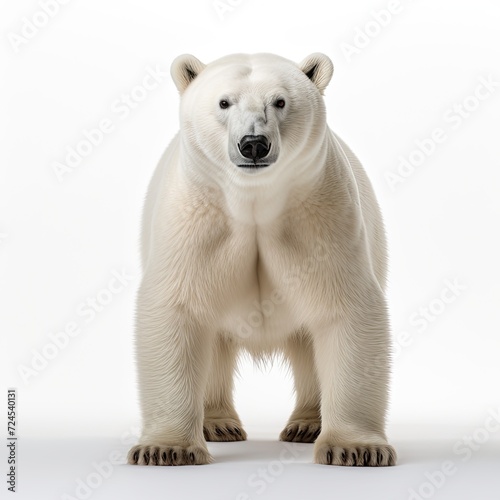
{"points": [[253, 165]]}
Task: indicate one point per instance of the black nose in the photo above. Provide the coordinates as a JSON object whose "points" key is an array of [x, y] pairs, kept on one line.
{"points": [[254, 147]]}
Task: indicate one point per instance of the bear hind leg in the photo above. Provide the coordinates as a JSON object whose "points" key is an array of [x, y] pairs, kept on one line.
{"points": [[304, 425], [221, 422]]}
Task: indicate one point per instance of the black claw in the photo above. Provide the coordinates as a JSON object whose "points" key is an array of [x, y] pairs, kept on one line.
{"points": [[174, 456], [154, 457], [164, 456], [135, 456], [191, 457], [329, 457], [218, 431], [230, 431], [237, 431], [366, 457], [146, 457]]}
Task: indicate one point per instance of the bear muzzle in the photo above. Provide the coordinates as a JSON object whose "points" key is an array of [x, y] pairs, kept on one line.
{"points": [[254, 148]]}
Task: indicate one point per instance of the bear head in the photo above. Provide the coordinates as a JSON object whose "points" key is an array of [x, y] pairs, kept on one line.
{"points": [[257, 117]]}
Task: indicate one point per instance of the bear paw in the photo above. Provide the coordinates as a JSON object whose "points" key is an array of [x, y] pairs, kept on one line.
{"points": [[375, 455], [301, 431], [168, 455], [223, 429]]}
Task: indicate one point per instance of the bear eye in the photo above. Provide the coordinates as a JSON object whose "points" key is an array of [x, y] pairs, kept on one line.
{"points": [[224, 104], [280, 103]]}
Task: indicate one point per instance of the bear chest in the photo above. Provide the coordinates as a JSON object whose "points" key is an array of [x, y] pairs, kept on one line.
{"points": [[268, 280]]}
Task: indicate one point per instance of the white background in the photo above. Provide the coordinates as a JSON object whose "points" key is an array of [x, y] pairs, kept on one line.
{"points": [[61, 239]]}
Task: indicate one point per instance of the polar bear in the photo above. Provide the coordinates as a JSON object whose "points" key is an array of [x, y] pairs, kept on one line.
{"points": [[261, 232]]}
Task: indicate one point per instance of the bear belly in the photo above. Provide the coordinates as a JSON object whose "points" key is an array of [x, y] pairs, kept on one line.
{"points": [[259, 319]]}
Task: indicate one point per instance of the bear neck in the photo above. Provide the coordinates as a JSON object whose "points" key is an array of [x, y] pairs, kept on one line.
{"points": [[263, 199]]}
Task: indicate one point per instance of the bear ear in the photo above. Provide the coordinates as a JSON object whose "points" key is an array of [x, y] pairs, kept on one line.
{"points": [[184, 70], [319, 69]]}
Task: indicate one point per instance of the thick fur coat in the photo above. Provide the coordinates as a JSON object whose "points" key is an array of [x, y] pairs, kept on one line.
{"points": [[261, 232]]}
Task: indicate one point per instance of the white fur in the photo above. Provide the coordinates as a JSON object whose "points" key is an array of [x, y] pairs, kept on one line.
{"points": [[286, 259]]}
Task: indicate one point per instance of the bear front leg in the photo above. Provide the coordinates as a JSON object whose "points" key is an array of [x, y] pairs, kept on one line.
{"points": [[173, 356], [352, 362]]}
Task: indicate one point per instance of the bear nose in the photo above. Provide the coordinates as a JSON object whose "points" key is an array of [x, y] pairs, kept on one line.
{"points": [[254, 147]]}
